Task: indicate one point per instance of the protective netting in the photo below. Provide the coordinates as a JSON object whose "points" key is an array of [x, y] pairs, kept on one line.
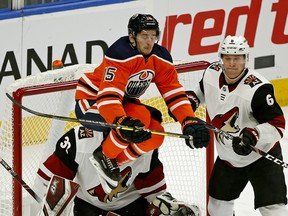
{"points": [[185, 169]]}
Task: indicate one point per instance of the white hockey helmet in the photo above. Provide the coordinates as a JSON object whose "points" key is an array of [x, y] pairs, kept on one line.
{"points": [[235, 45]]}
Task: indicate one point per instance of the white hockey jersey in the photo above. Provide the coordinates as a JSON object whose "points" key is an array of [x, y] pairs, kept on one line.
{"points": [[71, 161], [250, 102]]}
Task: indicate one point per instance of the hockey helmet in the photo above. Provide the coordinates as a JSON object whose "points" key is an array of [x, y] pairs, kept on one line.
{"points": [[234, 45], [139, 22]]}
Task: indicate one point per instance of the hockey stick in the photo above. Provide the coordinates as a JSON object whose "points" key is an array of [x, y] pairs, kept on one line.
{"points": [[171, 134], [27, 188], [112, 214], [98, 123], [21, 182], [255, 149]]}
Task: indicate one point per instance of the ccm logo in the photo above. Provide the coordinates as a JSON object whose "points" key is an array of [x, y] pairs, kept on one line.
{"points": [[277, 161]]}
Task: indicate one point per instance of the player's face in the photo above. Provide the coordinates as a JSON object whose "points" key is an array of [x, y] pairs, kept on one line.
{"points": [[233, 65], [145, 41]]}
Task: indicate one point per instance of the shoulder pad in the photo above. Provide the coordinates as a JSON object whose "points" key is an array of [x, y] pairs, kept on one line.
{"points": [[162, 52], [121, 49]]}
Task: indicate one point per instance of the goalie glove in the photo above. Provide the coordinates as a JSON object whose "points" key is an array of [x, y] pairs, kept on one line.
{"points": [[201, 135], [129, 135], [165, 204], [248, 137]]}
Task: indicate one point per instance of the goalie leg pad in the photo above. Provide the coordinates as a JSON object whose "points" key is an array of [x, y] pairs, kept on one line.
{"points": [[59, 197]]}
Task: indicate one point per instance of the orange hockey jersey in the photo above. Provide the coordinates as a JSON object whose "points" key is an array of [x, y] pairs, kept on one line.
{"points": [[125, 73]]}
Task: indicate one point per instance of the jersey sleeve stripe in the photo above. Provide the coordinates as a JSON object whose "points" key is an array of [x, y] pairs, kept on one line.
{"points": [[85, 90], [89, 84], [133, 151], [108, 96], [94, 111], [178, 104], [111, 89], [175, 98], [129, 156], [174, 91], [138, 149], [108, 103], [86, 108], [115, 142], [84, 105]]}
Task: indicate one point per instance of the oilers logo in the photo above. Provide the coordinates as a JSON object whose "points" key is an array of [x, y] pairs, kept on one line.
{"points": [[138, 83]]}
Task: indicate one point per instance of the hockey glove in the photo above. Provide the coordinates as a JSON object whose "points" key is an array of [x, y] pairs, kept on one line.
{"points": [[131, 136], [201, 136], [248, 137]]}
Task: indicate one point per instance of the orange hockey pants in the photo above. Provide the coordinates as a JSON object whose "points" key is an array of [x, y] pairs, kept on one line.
{"points": [[123, 152]]}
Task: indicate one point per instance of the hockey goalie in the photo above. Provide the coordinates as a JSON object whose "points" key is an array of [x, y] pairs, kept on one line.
{"points": [[73, 186]]}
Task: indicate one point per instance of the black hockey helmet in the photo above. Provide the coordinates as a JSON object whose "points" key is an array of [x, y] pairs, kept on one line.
{"points": [[139, 22]]}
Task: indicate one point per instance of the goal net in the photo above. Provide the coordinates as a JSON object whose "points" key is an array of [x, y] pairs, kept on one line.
{"points": [[26, 140]]}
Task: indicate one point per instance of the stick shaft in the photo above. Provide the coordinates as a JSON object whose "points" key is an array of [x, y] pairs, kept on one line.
{"points": [[21, 181], [255, 149], [98, 123], [171, 134]]}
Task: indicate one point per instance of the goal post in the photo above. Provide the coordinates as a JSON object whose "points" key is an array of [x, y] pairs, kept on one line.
{"points": [[27, 140]]}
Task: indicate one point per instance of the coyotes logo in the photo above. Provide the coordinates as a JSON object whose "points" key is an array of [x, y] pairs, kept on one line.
{"points": [[121, 187], [226, 122]]}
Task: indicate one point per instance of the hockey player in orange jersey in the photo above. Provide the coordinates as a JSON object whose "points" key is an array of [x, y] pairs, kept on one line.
{"points": [[111, 93]]}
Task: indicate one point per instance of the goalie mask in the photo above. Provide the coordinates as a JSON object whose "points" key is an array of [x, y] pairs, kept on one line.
{"points": [[235, 45], [139, 22]]}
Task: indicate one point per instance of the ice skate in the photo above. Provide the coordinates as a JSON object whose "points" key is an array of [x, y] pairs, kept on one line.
{"points": [[105, 185], [106, 167]]}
